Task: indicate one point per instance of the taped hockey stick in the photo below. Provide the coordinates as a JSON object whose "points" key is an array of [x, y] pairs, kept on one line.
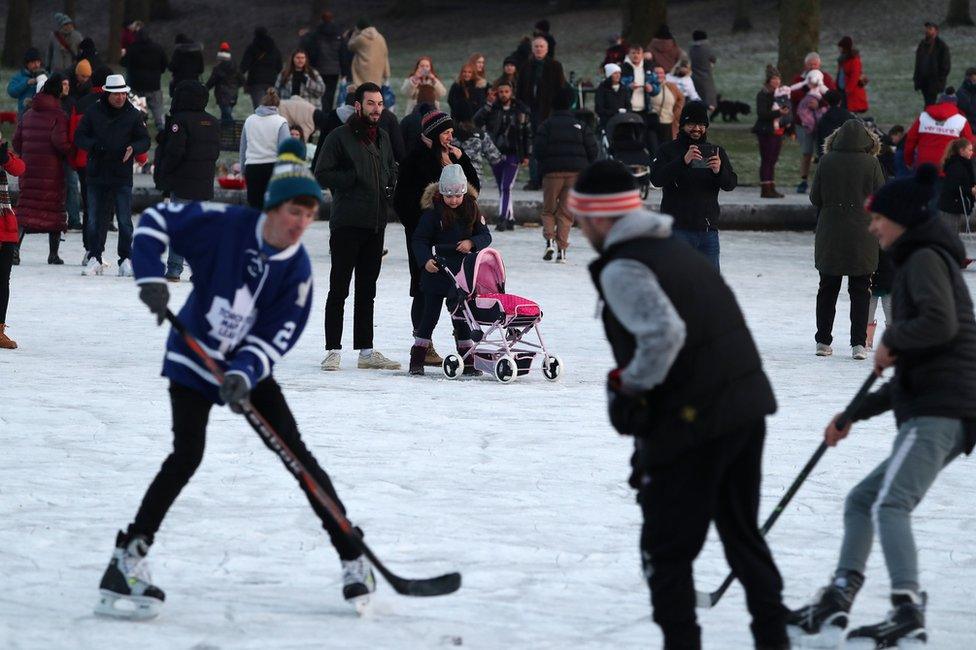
{"points": [[705, 600], [445, 584]]}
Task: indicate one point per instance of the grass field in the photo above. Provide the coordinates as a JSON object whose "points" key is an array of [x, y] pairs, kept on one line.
{"points": [[886, 32]]}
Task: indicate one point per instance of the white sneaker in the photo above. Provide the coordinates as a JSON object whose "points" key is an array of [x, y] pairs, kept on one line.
{"points": [[561, 256], [93, 267], [358, 582], [125, 269], [376, 361], [859, 352], [824, 350], [331, 361]]}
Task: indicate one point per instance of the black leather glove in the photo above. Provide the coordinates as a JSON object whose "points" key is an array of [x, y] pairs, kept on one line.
{"points": [[156, 297], [628, 411], [234, 390], [4, 153]]}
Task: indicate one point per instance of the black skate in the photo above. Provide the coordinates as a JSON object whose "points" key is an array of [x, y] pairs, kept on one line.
{"points": [[358, 583], [904, 627], [126, 590], [821, 624]]}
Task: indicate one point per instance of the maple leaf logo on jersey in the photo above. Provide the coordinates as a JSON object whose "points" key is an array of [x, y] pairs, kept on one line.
{"points": [[229, 323]]}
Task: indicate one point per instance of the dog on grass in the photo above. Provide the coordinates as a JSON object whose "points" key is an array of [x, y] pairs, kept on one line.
{"points": [[730, 110]]}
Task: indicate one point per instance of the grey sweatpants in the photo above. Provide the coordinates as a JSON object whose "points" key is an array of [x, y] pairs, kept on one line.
{"points": [[884, 500]]}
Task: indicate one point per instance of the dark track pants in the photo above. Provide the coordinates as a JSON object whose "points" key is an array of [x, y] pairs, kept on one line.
{"points": [[191, 410], [359, 251], [859, 289], [718, 482]]}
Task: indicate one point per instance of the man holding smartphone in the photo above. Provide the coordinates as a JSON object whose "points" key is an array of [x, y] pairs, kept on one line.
{"points": [[690, 172]]}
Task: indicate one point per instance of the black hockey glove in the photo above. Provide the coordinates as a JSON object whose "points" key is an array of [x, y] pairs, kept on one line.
{"points": [[628, 410], [156, 297], [234, 390]]}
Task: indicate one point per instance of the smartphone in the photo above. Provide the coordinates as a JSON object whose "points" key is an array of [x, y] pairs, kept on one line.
{"points": [[707, 151]]}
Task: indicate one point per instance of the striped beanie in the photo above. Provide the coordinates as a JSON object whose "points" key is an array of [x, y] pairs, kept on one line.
{"points": [[435, 123], [604, 189], [291, 176]]}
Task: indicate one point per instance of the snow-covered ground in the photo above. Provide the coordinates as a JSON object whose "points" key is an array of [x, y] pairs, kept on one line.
{"points": [[520, 487]]}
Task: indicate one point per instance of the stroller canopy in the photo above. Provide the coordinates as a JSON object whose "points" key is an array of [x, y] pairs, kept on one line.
{"points": [[483, 272], [626, 128]]}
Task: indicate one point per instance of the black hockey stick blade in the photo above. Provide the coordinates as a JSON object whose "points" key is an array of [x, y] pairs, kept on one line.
{"points": [[706, 600], [439, 586]]}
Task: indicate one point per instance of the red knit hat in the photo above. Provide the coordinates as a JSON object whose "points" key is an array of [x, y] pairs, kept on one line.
{"points": [[224, 47]]}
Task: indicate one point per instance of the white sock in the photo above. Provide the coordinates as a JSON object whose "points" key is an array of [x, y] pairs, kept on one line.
{"points": [[366, 352]]}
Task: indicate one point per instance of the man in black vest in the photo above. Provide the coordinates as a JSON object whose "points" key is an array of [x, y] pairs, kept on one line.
{"points": [[187, 151], [689, 386]]}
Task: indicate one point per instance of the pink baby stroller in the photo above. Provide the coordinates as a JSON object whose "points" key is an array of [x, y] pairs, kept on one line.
{"points": [[499, 322]]}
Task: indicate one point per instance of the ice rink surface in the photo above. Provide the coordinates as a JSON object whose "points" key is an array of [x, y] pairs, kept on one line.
{"points": [[520, 487]]}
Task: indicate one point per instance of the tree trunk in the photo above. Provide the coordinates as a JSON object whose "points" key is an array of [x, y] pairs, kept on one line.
{"points": [[799, 33], [958, 13], [160, 10], [69, 7], [641, 19], [742, 21], [136, 10], [18, 33], [407, 8], [116, 14]]}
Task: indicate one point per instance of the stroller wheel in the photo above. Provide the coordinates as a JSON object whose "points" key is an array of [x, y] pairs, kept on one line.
{"points": [[452, 366], [552, 367], [505, 370]]}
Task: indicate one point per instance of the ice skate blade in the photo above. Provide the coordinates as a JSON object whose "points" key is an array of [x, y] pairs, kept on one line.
{"points": [[360, 604], [830, 637], [133, 608]]}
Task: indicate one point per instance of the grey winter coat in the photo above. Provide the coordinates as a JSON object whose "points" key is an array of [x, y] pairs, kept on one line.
{"points": [[848, 173], [702, 59]]}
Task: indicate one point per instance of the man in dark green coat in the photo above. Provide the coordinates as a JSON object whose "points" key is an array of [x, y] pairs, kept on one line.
{"points": [[848, 173]]}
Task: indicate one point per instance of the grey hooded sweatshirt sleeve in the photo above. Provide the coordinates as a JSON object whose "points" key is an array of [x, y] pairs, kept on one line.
{"points": [[635, 297]]}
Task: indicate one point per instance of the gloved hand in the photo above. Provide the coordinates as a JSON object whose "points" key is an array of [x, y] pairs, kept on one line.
{"points": [[4, 153], [626, 407], [156, 297], [233, 391]]}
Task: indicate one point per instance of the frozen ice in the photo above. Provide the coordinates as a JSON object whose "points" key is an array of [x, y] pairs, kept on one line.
{"points": [[521, 487]]}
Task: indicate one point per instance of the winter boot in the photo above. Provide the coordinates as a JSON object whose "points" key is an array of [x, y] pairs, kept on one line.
{"points": [[358, 581], [126, 588], [550, 251], [433, 359], [773, 192], [764, 192], [906, 622], [418, 353], [802, 187], [6, 343], [825, 618]]}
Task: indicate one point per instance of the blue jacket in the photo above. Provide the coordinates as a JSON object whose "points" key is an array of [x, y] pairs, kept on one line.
{"points": [[430, 234], [249, 303], [19, 89]]}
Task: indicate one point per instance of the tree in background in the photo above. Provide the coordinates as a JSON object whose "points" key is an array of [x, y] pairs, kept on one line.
{"points": [[641, 18], [799, 33], [137, 10], [958, 13], [18, 33], [69, 7], [116, 14], [742, 21]]}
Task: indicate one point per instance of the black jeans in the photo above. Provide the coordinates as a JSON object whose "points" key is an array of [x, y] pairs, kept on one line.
{"points": [[191, 410], [859, 289], [719, 482], [431, 314], [417, 302], [328, 98], [358, 250], [7, 250], [257, 178]]}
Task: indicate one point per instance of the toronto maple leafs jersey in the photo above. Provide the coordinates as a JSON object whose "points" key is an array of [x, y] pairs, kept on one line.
{"points": [[249, 303]]}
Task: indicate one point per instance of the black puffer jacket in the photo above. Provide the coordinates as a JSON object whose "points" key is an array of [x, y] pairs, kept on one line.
{"points": [[932, 333], [186, 63], [145, 62], [262, 60], [510, 129], [422, 167], [226, 82], [189, 145], [956, 196], [609, 102], [564, 144], [322, 46], [105, 132]]}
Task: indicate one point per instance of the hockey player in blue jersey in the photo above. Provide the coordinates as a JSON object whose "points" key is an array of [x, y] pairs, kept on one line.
{"points": [[252, 291]]}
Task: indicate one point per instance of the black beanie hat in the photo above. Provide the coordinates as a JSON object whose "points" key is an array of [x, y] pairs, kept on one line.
{"points": [[694, 113], [906, 200], [604, 189], [563, 100], [699, 35], [605, 177], [32, 54]]}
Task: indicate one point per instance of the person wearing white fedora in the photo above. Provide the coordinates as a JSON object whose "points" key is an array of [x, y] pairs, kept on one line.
{"points": [[113, 132]]}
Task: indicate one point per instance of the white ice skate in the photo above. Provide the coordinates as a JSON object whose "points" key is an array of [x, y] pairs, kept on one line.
{"points": [[358, 583], [126, 590]]}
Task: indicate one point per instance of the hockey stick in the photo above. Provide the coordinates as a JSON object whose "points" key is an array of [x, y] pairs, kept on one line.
{"points": [[705, 600], [438, 586]]}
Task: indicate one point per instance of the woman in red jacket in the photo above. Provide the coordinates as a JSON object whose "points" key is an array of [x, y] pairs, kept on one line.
{"points": [[9, 237], [849, 77], [42, 141]]}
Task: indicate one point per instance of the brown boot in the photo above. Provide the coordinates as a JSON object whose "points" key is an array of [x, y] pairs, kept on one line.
{"points": [[772, 190], [764, 192], [417, 354], [433, 359], [5, 342]]}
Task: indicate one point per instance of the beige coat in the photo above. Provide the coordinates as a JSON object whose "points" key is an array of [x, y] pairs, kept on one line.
{"points": [[372, 58]]}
